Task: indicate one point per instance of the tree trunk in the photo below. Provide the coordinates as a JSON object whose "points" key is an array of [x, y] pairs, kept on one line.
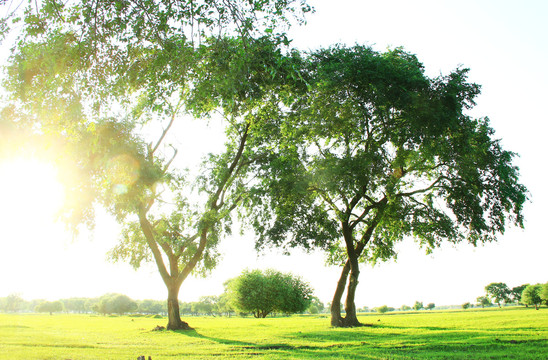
{"points": [[352, 268], [173, 315], [351, 318], [336, 318]]}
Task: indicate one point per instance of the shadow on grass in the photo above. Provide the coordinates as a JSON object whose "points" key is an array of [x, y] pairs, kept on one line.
{"points": [[195, 334], [249, 348], [458, 344], [376, 343]]}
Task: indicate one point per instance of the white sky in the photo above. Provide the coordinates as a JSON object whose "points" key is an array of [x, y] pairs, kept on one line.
{"points": [[502, 42]]}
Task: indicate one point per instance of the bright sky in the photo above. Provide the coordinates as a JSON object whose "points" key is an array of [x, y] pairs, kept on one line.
{"points": [[504, 44]]}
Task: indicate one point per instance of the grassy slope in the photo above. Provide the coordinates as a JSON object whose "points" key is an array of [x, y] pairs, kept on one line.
{"points": [[515, 333]]}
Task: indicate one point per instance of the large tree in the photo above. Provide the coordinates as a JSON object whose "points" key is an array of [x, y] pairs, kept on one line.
{"points": [[373, 151], [107, 80]]}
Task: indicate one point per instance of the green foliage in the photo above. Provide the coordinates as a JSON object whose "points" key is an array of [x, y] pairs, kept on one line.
{"points": [[316, 302], [382, 309], [362, 147], [151, 307], [483, 301], [515, 292], [74, 305], [262, 293], [498, 292], [114, 304], [418, 305], [11, 303], [430, 306], [544, 293], [49, 306], [532, 295], [466, 305]]}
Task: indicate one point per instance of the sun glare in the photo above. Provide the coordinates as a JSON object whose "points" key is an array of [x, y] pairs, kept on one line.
{"points": [[30, 193]]}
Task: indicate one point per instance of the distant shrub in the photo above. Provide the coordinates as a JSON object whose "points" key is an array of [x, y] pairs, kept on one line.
{"points": [[264, 292]]}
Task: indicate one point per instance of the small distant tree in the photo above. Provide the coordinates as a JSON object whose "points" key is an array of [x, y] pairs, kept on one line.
{"points": [[532, 295], [515, 293], [114, 304], [91, 304], [498, 292], [74, 305], [185, 308], [205, 305], [430, 306], [405, 307], [483, 301], [50, 307], [12, 303], [382, 309], [544, 293], [317, 303], [223, 305], [262, 293], [418, 305], [121, 304], [466, 305], [149, 306]]}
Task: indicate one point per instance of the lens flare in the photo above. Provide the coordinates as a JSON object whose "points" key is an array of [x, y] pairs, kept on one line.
{"points": [[122, 171]]}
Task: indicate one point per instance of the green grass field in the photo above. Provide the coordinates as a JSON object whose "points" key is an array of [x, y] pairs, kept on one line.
{"points": [[512, 333]]}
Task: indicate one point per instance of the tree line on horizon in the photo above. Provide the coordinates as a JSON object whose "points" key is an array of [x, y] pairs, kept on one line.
{"points": [[500, 294], [256, 292], [343, 149], [248, 295]]}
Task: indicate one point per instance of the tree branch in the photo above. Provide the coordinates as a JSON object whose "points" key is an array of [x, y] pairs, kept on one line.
{"points": [[433, 185], [231, 170], [164, 133], [153, 245], [195, 258]]}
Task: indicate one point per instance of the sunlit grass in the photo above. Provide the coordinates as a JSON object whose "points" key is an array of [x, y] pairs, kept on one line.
{"points": [[516, 333]]}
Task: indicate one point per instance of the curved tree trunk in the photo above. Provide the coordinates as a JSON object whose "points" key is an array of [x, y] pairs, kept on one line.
{"points": [[350, 273], [336, 318], [351, 318]]}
